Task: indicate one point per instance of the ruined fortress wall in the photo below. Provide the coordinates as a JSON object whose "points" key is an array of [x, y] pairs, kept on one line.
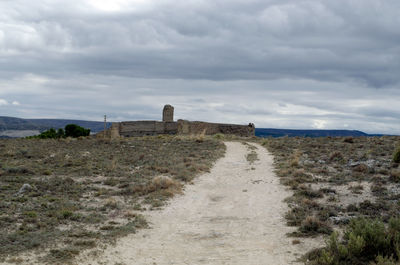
{"points": [[168, 126], [182, 127], [112, 132], [199, 127], [141, 128]]}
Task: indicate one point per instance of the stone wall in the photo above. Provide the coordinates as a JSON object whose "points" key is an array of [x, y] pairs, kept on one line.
{"points": [[207, 128], [141, 128], [182, 127], [112, 132], [168, 126]]}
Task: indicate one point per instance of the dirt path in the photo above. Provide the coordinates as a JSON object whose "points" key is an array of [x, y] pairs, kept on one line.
{"points": [[232, 215]]}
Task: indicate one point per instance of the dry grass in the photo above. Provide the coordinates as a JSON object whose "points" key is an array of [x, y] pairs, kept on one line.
{"points": [[85, 191], [337, 179]]}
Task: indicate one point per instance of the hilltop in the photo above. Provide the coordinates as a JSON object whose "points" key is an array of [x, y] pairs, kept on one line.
{"points": [[264, 132], [18, 127]]}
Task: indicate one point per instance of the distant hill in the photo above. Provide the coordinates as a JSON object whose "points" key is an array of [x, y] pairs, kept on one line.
{"points": [[94, 126], [267, 132], [12, 123]]}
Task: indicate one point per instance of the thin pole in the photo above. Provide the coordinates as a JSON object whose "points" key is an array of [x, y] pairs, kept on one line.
{"points": [[105, 122]]}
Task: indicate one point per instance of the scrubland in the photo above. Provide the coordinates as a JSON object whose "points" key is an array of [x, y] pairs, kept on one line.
{"points": [[347, 189], [85, 192]]}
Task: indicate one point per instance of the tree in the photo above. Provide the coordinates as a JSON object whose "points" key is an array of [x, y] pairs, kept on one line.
{"points": [[48, 134], [73, 130], [60, 133]]}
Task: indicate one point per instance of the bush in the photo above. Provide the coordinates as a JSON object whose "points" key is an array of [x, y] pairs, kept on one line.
{"points": [[73, 130], [385, 261], [49, 134], [396, 156], [312, 226], [219, 136], [349, 140], [365, 241], [60, 133]]}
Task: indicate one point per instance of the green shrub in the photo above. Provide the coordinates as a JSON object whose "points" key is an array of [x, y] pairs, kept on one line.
{"points": [[49, 134], [396, 156], [60, 133], [31, 214], [73, 130], [65, 214], [219, 136], [364, 242], [385, 261]]}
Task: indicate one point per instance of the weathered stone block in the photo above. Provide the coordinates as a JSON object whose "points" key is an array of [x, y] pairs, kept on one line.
{"points": [[168, 113], [114, 130]]}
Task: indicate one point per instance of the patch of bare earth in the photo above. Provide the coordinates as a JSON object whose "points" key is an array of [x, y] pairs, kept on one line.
{"points": [[232, 215]]}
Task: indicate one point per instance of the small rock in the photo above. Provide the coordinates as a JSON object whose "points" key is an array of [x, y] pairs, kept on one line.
{"points": [[308, 163], [331, 169], [26, 187], [86, 154], [369, 163], [353, 164]]}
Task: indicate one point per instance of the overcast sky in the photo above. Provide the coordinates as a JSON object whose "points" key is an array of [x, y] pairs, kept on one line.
{"points": [[277, 63]]}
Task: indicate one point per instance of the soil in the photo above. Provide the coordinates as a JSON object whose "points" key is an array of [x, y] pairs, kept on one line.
{"points": [[232, 215]]}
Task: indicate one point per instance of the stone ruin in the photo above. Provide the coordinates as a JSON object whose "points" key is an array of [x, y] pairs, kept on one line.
{"points": [[168, 113], [168, 126]]}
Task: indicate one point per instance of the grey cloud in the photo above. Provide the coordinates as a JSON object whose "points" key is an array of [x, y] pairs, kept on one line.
{"points": [[216, 40], [279, 63]]}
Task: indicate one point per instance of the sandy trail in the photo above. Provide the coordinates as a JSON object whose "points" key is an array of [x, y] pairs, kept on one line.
{"points": [[232, 215]]}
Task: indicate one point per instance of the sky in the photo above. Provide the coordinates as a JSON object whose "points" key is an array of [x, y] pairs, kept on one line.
{"points": [[299, 64]]}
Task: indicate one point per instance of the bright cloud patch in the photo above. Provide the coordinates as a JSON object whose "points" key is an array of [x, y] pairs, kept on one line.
{"points": [[3, 102], [319, 124]]}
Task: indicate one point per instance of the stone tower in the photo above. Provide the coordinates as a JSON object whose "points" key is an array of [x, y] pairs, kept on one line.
{"points": [[168, 113]]}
